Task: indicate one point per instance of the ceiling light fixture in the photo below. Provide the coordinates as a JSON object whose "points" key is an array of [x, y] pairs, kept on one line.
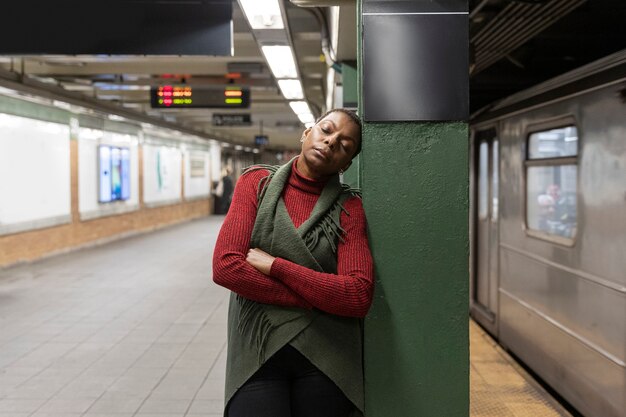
{"points": [[262, 14], [276, 47], [306, 118], [280, 59], [291, 89], [302, 110], [300, 107]]}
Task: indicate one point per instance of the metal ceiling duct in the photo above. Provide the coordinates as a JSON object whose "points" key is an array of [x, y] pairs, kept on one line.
{"points": [[513, 26]]}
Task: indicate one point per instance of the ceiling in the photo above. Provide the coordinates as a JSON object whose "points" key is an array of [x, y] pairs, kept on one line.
{"points": [[514, 45], [125, 80], [518, 44]]}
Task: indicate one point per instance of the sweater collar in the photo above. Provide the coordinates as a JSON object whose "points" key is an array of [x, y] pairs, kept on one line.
{"points": [[308, 185]]}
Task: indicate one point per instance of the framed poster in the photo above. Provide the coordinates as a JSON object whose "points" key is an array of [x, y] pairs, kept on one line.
{"points": [[116, 174], [125, 174], [114, 169], [104, 179]]}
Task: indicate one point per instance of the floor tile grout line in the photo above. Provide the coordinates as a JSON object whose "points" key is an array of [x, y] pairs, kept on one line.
{"points": [[78, 319], [205, 379], [84, 370], [151, 345], [136, 360], [212, 365], [216, 308], [87, 368]]}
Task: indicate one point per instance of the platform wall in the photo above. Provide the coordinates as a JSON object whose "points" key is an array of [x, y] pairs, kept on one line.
{"points": [[50, 160]]}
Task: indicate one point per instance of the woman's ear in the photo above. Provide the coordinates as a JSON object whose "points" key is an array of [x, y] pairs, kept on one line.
{"points": [[305, 134]]}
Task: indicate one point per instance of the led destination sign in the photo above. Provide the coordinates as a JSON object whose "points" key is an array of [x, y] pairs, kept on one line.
{"points": [[182, 96]]}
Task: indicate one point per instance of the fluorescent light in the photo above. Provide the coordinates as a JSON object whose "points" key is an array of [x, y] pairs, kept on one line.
{"points": [[7, 91], [306, 118], [291, 89], [120, 87], [280, 60], [62, 105], [299, 107], [262, 14], [302, 110], [74, 87]]}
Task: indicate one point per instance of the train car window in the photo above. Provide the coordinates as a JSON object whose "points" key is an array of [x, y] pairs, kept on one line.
{"points": [[551, 186], [483, 177], [553, 143]]}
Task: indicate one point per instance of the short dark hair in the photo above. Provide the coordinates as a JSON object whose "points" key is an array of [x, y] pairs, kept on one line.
{"points": [[353, 116]]}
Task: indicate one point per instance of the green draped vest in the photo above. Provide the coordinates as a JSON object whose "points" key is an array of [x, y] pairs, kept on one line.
{"points": [[256, 331]]}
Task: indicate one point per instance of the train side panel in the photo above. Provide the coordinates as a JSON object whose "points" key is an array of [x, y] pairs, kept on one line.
{"points": [[562, 306]]}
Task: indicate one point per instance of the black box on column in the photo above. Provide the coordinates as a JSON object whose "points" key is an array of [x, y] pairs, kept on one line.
{"points": [[415, 60]]}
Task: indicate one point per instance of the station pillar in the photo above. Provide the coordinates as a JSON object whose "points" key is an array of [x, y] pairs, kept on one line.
{"points": [[414, 180], [349, 76]]}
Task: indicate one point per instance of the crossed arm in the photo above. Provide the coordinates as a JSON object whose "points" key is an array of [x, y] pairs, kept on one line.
{"points": [[259, 276]]}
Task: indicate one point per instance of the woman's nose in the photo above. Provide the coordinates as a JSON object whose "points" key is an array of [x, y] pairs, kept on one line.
{"points": [[330, 141]]}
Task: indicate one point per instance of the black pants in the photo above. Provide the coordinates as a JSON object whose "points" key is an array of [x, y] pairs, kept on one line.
{"points": [[288, 385]]}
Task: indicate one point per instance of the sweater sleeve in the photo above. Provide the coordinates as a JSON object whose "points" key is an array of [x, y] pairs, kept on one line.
{"points": [[230, 268], [350, 291]]}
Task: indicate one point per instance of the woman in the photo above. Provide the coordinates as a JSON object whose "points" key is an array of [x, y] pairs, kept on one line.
{"points": [[293, 250]]}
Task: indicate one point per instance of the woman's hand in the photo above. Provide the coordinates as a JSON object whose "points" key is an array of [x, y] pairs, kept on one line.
{"points": [[262, 261]]}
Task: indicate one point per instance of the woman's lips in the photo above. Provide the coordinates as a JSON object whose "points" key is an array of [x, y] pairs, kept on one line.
{"points": [[321, 153]]}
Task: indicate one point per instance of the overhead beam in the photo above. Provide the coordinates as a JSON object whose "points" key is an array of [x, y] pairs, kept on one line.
{"points": [[28, 85]]}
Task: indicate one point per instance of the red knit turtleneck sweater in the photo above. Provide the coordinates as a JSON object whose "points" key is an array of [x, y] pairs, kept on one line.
{"points": [[347, 293]]}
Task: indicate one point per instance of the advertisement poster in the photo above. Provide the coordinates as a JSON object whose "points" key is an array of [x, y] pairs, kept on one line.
{"points": [[114, 178], [104, 158], [116, 174], [125, 174], [163, 174], [196, 165]]}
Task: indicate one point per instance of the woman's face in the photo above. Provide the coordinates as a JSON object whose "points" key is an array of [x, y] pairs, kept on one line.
{"points": [[329, 146]]}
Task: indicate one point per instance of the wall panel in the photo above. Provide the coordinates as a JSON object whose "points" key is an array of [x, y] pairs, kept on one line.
{"points": [[34, 174]]}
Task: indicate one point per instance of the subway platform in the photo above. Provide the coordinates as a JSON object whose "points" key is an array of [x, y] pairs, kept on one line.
{"points": [[136, 327]]}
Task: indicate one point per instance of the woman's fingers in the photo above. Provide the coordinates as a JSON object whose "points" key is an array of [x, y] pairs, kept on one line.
{"points": [[261, 260]]}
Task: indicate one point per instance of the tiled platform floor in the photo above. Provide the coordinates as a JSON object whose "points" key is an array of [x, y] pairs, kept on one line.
{"points": [[131, 328], [499, 387], [137, 328]]}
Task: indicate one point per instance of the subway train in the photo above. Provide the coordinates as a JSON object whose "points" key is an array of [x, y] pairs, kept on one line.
{"points": [[548, 232]]}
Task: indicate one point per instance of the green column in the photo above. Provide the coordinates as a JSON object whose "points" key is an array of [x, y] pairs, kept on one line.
{"points": [[350, 84], [349, 81], [414, 178]]}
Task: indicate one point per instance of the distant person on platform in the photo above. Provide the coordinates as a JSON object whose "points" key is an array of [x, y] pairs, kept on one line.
{"points": [[224, 192]]}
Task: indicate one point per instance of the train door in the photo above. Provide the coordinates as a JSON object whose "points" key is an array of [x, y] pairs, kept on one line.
{"points": [[485, 254]]}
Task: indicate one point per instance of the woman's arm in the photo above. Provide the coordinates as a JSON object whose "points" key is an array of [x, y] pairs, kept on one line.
{"points": [[350, 291], [230, 268]]}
